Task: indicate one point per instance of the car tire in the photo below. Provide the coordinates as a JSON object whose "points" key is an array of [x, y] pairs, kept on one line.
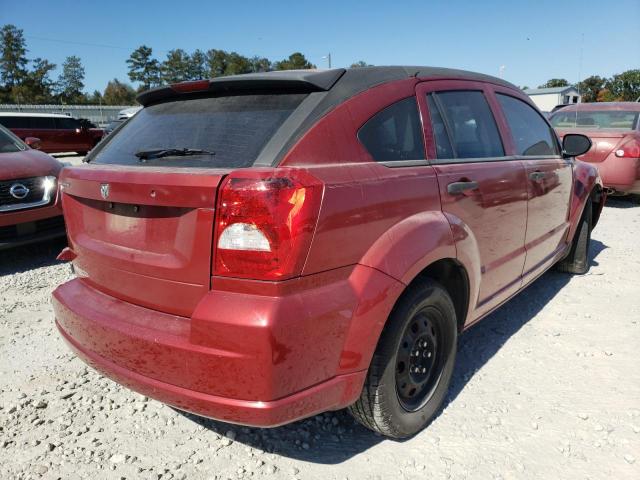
{"points": [[421, 333], [577, 261]]}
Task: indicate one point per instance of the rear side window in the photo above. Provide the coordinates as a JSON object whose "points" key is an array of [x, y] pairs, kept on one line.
{"points": [[66, 123], [234, 128], [467, 119], [531, 134], [394, 133], [15, 122], [42, 122]]}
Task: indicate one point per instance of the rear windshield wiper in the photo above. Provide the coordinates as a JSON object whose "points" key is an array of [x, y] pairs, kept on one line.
{"points": [[170, 152]]}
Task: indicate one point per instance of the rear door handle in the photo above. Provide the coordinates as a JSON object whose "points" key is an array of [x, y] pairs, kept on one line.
{"points": [[536, 176], [456, 188]]}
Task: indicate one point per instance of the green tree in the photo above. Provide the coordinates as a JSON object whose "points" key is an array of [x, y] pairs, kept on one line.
{"points": [[216, 62], [198, 65], [176, 66], [143, 67], [118, 93], [590, 87], [260, 64], [625, 86], [360, 64], [555, 82], [237, 64], [13, 60], [36, 85], [95, 98], [296, 61], [71, 81]]}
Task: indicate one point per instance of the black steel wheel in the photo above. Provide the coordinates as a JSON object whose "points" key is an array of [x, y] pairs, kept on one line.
{"points": [[411, 369]]}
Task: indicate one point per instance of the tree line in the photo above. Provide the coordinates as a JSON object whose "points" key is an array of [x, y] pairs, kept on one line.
{"points": [[622, 87], [28, 81]]}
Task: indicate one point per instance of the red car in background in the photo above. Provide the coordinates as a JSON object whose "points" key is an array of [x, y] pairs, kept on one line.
{"points": [[260, 248], [614, 129], [57, 133], [29, 208]]}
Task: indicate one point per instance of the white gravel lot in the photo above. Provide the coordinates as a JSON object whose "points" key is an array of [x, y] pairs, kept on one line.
{"points": [[546, 387]]}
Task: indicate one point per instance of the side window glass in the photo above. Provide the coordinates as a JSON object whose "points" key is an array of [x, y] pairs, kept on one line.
{"points": [[15, 122], [470, 124], [440, 135], [394, 133], [66, 123], [531, 134], [42, 122]]}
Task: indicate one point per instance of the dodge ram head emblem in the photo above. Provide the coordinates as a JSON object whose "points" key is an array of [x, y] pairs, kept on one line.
{"points": [[18, 191], [104, 190]]}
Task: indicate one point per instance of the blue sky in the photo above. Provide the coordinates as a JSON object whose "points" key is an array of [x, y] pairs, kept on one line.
{"points": [[534, 41]]}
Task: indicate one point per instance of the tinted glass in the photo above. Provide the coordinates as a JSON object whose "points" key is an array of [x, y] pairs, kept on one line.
{"points": [[394, 133], [470, 123], [15, 122], [42, 122], [235, 128], [67, 123], [9, 143], [596, 119], [443, 145], [531, 134]]}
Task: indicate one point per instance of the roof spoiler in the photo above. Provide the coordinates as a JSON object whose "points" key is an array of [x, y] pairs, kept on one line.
{"points": [[302, 81]]}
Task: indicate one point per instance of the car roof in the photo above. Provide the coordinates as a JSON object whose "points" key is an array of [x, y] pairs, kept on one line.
{"points": [[340, 83], [602, 106], [23, 114]]}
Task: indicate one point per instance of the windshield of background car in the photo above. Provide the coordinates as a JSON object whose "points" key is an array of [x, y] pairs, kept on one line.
{"points": [[9, 143], [234, 129], [613, 119]]}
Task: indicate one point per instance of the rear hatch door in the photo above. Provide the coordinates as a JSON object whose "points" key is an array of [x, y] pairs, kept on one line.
{"points": [[142, 234]]}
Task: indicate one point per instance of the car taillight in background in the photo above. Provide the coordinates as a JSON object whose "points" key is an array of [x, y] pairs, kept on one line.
{"points": [[264, 223], [630, 149]]}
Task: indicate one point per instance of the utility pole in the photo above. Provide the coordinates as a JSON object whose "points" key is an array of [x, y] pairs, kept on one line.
{"points": [[328, 58]]}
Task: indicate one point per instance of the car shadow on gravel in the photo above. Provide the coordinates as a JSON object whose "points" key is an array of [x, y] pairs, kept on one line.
{"points": [[333, 437], [28, 257], [629, 201]]}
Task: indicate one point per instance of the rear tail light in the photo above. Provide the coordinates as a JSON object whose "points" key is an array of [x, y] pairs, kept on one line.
{"points": [[630, 149], [264, 223]]}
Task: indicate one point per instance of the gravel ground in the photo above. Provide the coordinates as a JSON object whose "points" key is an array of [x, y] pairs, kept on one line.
{"points": [[546, 387]]}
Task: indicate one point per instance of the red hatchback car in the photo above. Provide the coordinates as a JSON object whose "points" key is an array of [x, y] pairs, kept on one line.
{"points": [[614, 129], [57, 133], [264, 247], [29, 207]]}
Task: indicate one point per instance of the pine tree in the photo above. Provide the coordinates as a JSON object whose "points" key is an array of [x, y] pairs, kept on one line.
{"points": [[144, 68]]}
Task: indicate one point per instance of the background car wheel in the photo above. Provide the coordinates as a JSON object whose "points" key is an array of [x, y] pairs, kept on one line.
{"points": [[412, 366], [578, 259]]}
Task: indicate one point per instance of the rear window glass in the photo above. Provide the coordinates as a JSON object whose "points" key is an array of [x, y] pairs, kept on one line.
{"points": [[596, 119], [234, 128], [67, 123]]}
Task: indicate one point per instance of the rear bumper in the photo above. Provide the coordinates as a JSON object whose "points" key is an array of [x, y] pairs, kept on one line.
{"points": [[254, 353], [620, 174], [328, 395]]}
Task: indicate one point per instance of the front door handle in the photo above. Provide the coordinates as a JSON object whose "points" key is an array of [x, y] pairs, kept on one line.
{"points": [[456, 188], [537, 176]]}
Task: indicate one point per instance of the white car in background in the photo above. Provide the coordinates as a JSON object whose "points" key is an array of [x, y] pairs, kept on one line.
{"points": [[128, 113]]}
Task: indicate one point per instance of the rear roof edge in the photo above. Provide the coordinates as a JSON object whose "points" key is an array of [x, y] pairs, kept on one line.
{"points": [[302, 81]]}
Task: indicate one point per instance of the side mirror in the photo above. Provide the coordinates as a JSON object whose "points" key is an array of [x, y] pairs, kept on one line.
{"points": [[33, 142], [574, 145]]}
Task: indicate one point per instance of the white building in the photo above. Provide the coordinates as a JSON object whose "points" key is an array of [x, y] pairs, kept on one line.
{"points": [[547, 98]]}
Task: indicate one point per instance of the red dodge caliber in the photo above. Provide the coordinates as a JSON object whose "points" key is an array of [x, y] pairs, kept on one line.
{"points": [[260, 248]]}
